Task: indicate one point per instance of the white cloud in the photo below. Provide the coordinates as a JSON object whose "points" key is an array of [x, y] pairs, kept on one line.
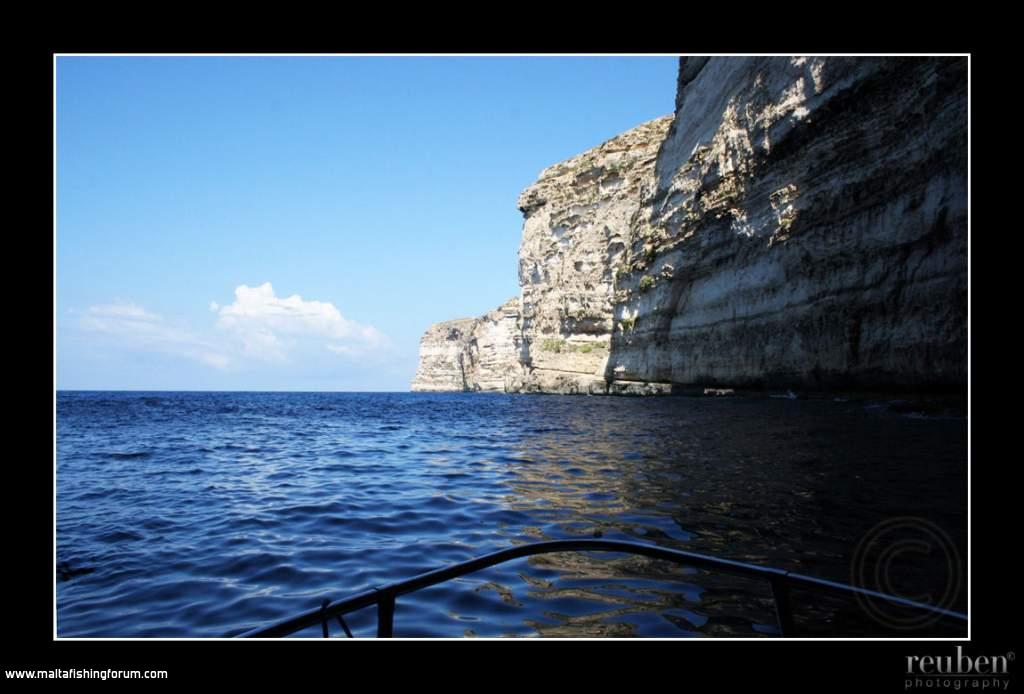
{"points": [[343, 350], [269, 326], [123, 311], [257, 326], [136, 328]]}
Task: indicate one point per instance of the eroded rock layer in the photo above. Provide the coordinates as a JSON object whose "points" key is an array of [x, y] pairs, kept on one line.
{"points": [[472, 353], [575, 236]]}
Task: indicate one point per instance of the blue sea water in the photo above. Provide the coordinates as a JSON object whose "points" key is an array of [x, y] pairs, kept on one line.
{"points": [[208, 514]]}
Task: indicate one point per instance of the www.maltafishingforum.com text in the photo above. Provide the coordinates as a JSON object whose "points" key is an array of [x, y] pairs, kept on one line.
{"points": [[82, 674]]}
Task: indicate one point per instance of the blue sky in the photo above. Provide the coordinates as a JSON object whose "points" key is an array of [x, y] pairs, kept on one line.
{"points": [[296, 223]]}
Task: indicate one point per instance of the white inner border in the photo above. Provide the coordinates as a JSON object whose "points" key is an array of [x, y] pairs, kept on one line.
{"points": [[499, 55]]}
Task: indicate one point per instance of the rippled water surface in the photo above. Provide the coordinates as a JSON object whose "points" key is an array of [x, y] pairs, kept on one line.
{"points": [[207, 514]]}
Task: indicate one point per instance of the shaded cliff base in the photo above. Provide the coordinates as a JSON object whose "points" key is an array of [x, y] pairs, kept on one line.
{"points": [[816, 385], [839, 387]]}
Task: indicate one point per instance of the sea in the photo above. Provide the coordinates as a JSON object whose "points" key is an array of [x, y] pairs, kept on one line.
{"points": [[201, 514]]}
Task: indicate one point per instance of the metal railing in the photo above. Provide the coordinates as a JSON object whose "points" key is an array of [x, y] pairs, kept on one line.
{"points": [[384, 597]]}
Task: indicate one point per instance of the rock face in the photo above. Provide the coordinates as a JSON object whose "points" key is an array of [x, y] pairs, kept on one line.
{"points": [[472, 353], [575, 235], [809, 228], [799, 222]]}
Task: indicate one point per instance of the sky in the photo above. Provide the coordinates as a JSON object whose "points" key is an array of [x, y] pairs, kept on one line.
{"points": [[297, 223]]}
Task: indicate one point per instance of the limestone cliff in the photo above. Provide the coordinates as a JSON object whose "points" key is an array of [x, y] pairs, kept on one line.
{"points": [[577, 227], [809, 228], [575, 235], [472, 353], [798, 222]]}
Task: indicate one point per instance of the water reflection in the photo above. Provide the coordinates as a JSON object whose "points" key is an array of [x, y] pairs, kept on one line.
{"points": [[793, 485]]}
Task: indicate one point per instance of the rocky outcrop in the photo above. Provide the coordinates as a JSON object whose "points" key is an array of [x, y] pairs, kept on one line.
{"points": [[472, 353], [577, 227], [798, 222], [576, 232], [444, 349]]}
